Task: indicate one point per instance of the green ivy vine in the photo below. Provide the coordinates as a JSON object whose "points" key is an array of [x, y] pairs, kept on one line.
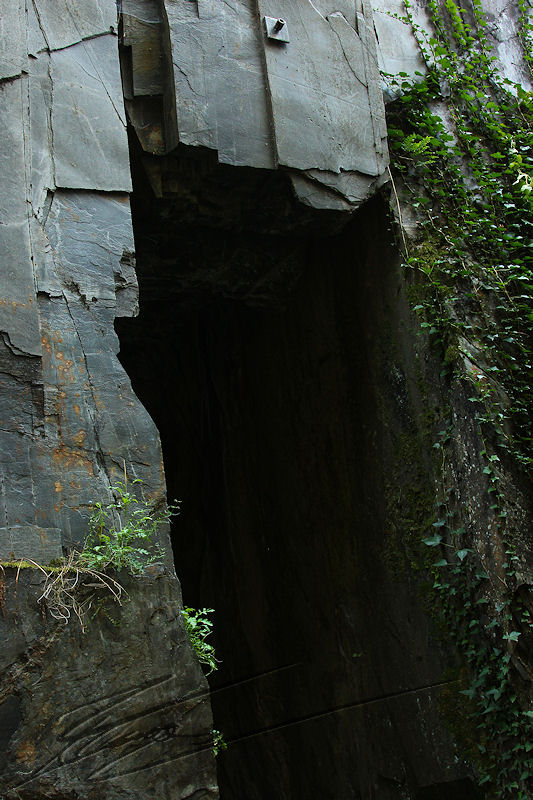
{"points": [[461, 138], [525, 27]]}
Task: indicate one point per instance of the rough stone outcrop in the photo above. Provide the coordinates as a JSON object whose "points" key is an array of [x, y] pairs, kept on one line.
{"points": [[310, 106], [118, 712], [70, 419]]}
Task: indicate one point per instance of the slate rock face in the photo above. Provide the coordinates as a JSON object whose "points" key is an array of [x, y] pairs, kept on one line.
{"points": [[69, 420], [343, 678], [121, 711], [206, 74]]}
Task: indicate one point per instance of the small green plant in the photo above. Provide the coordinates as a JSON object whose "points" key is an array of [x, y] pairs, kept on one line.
{"points": [[198, 627], [219, 743], [121, 532], [419, 149], [120, 538]]}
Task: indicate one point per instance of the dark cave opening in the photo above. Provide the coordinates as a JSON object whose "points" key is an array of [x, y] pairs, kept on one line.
{"points": [[287, 414]]}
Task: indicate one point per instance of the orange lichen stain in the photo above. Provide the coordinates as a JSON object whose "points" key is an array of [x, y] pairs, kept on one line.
{"points": [[68, 457], [76, 409], [26, 752], [58, 486], [59, 355], [13, 303], [65, 372], [46, 345], [79, 438], [75, 485]]}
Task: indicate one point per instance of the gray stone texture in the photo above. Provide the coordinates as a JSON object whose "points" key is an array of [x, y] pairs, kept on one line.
{"points": [[397, 48], [147, 80], [311, 104], [41, 545], [13, 53], [504, 34], [319, 88], [121, 712], [90, 146], [66, 22], [69, 417], [219, 78]]}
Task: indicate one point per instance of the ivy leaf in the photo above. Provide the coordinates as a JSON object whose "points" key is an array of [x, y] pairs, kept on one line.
{"points": [[512, 637], [433, 541]]}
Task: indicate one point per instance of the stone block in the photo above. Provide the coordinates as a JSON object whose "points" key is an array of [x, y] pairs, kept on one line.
{"points": [[323, 112], [88, 122], [66, 22], [30, 542]]}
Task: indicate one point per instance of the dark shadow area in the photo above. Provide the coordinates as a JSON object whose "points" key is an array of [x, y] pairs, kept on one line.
{"points": [[454, 790], [289, 417]]}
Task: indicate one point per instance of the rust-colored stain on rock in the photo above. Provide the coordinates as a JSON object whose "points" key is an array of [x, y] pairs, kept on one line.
{"points": [[69, 458], [79, 438], [26, 752]]}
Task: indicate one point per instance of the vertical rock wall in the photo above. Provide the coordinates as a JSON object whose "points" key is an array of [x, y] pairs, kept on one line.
{"points": [[122, 710], [294, 426], [69, 419], [308, 103]]}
